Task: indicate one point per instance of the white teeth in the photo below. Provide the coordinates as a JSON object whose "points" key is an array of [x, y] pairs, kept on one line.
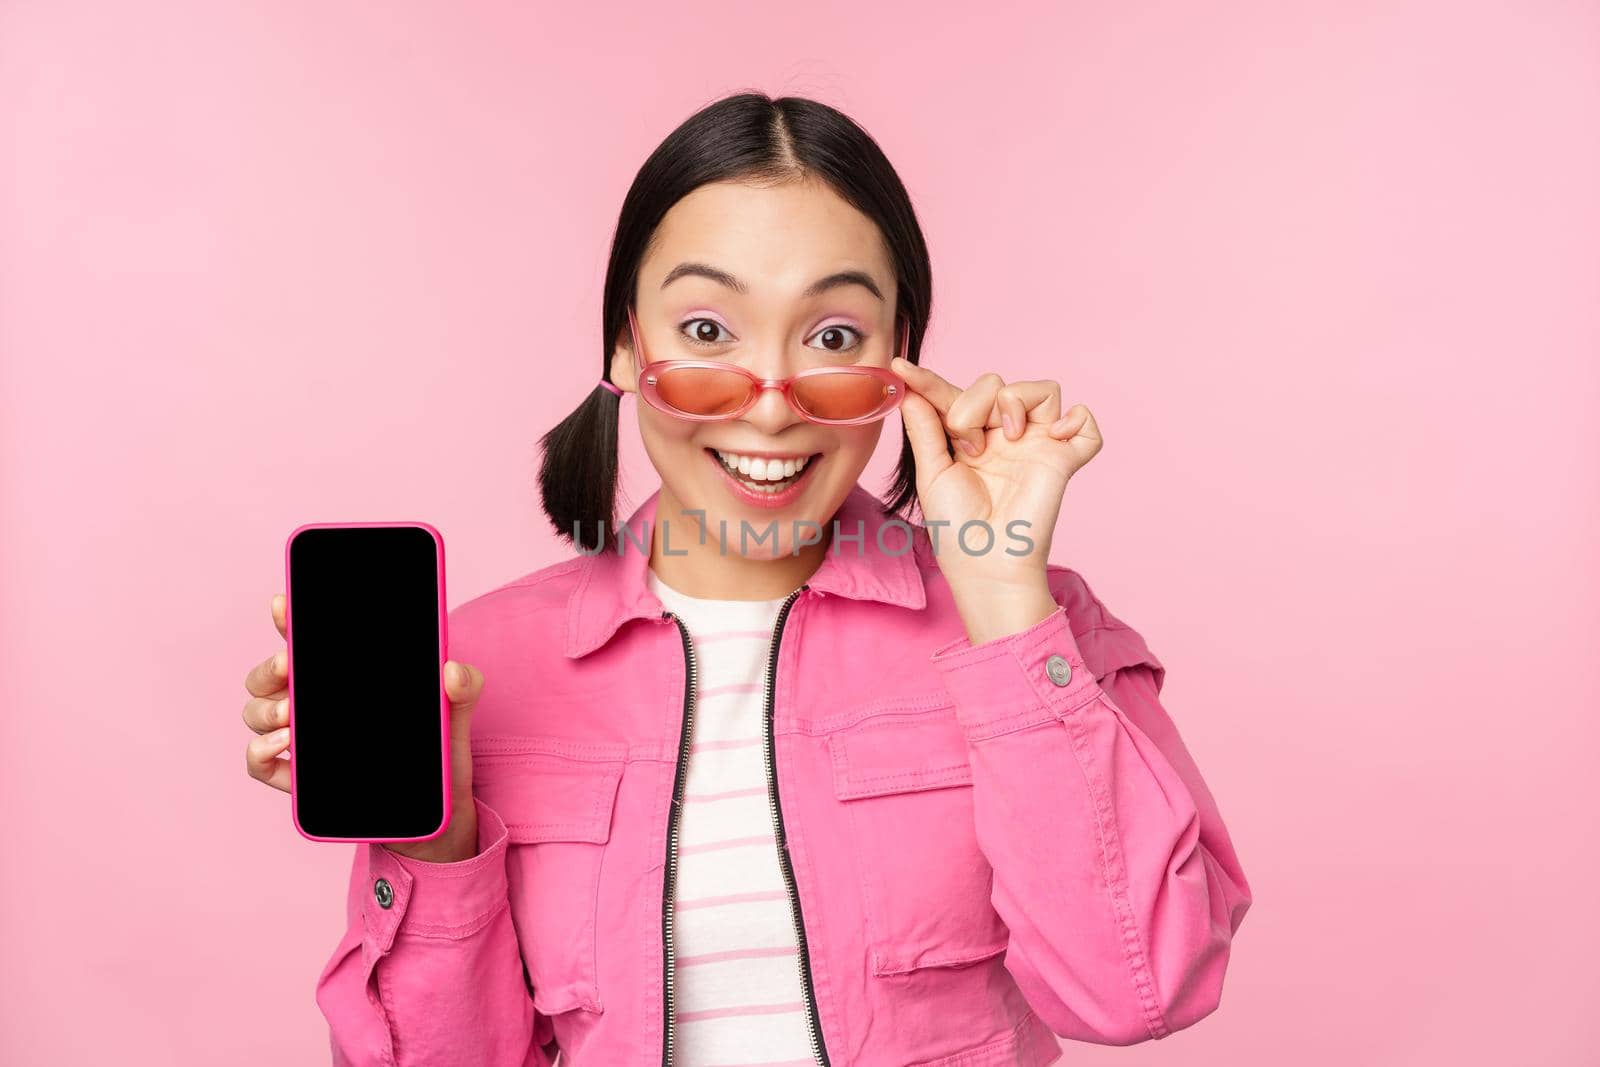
{"points": [[758, 469]]}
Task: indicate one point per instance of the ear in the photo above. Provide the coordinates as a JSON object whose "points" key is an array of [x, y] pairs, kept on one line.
{"points": [[624, 369]]}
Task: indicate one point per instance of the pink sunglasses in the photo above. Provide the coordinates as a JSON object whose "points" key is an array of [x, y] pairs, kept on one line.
{"points": [[707, 391]]}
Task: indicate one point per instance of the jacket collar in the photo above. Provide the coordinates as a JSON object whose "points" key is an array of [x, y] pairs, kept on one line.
{"points": [[612, 587]]}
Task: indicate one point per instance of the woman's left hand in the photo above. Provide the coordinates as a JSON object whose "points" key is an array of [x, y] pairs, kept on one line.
{"points": [[1015, 452]]}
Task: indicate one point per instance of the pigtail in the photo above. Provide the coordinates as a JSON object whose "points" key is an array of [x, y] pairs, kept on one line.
{"points": [[578, 474]]}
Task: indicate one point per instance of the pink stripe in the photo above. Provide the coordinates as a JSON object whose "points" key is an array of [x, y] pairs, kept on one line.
{"points": [[746, 1009], [732, 898], [735, 954], [692, 798], [732, 687], [730, 842], [710, 746], [724, 635]]}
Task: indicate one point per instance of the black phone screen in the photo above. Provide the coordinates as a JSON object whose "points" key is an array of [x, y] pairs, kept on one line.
{"points": [[367, 705]]}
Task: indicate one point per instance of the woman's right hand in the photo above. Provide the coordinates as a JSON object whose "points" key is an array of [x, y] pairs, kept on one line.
{"points": [[267, 713]]}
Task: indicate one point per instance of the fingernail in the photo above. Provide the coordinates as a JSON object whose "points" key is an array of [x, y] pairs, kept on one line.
{"points": [[1009, 423], [966, 446], [459, 673], [280, 737], [282, 711], [280, 662]]}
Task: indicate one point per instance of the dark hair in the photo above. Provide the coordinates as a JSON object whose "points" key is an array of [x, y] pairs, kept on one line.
{"points": [[748, 136]]}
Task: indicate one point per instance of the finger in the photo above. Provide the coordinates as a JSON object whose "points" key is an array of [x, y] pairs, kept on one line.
{"points": [[1013, 415], [1025, 402], [969, 416], [925, 431], [1067, 425], [941, 394], [268, 677], [463, 684], [938, 392], [1081, 430], [266, 713], [280, 614], [261, 759], [1075, 419]]}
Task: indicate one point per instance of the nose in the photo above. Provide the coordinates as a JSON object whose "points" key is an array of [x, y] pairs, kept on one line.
{"points": [[772, 412]]}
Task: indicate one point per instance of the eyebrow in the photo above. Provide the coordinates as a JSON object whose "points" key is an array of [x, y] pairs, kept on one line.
{"points": [[816, 288]]}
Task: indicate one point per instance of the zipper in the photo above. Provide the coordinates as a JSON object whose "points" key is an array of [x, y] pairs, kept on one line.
{"points": [[809, 994], [818, 1049], [669, 886]]}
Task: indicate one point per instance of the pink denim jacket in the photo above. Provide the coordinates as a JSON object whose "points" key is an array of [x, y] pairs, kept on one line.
{"points": [[985, 846]]}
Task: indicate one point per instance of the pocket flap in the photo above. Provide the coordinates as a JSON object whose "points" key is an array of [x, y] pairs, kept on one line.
{"points": [[900, 754], [548, 797]]}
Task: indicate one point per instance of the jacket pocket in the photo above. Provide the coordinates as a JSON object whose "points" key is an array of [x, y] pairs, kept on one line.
{"points": [[557, 809], [906, 784]]}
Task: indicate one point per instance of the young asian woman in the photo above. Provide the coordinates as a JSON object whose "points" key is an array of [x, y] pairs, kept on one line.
{"points": [[777, 770]]}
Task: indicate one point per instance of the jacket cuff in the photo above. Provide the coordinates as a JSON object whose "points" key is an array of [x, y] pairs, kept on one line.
{"points": [[439, 900], [1016, 681]]}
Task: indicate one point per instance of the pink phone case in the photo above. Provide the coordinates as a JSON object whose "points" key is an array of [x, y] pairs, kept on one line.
{"points": [[444, 655]]}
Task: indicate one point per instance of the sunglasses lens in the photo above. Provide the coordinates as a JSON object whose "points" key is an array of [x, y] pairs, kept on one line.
{"points": [[842, 395], [702, 391]]}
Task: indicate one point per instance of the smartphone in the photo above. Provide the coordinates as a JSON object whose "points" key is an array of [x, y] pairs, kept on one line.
{"points": [[369, 721]]}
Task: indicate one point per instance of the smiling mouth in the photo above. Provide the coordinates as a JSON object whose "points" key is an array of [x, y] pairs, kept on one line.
{"points": [[760, 474]]}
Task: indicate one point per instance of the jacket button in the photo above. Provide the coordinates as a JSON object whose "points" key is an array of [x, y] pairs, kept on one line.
{"points": [[384, 892], [1059, 670]]}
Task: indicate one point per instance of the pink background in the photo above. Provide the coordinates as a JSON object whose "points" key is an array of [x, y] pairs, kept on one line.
{"points": [[1328, 274]]}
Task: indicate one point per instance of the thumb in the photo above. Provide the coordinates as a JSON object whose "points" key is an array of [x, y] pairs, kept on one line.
{"points": [[463, 684], [929, 443]]}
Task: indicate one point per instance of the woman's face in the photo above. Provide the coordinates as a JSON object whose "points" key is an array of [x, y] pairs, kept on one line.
{"points": [[732, 276]]}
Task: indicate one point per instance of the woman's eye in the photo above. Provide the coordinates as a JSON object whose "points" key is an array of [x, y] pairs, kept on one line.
{"points": [[704, 331], [837, 338]]}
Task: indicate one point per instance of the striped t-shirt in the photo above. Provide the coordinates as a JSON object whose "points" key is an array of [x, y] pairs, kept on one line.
{"points": [[738, 998]]}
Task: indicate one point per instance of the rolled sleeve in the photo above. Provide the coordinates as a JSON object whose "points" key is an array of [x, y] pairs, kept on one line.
{"points": [[438, 900], [1016, 681]]}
